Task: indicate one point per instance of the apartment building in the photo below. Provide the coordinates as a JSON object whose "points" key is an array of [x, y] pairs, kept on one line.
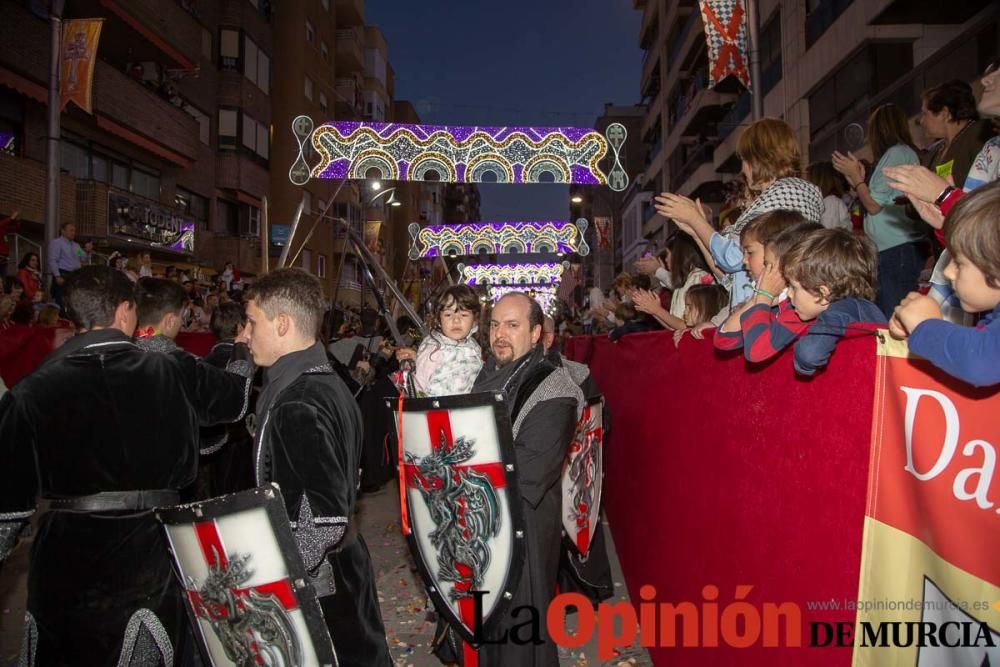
{"points": [[178, 136], [825, 65]]}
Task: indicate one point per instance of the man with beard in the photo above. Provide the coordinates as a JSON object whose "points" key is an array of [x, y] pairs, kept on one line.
{"points": [[544, 405], [308, 441], [104, 432]]}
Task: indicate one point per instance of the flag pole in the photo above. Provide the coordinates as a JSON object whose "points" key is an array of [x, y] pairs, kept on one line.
{"points": [[52, 146], [757, 96]]}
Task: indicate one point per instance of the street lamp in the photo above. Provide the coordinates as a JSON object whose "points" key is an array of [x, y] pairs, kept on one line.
{"points": [[391, 201], [576, 199]]}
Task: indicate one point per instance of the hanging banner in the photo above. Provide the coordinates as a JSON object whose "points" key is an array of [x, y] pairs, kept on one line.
{"points": [[79, 55], [603, 228], [930, 568], [372, 230], [726, 36]]}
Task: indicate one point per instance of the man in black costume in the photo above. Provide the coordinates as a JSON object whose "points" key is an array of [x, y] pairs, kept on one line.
{"points": [[104, 432], [308, 441], [545, 405]]}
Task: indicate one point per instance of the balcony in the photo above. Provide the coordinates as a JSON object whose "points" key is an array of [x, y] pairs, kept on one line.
{"points": [[350, 13], [652, 119], [648, 28], [138, 30], [239, 172], [348, 98], [144, 118], [349, 52], [686, 162], [699, 109], [650, 80], [735, 116], [908, 11], [684, 37]]}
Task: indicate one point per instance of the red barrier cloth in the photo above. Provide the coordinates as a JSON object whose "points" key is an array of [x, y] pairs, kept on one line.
{"points": [[196, 342], [726, 474], [22, 349]]}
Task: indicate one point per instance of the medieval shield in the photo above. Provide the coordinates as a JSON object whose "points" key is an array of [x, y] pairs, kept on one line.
{"points": [[583, 477], [461, 507], [247, 591]]}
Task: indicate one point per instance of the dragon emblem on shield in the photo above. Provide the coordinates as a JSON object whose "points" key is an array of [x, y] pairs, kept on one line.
{"points": [[582, 468], [253, 627], [464, 507]]}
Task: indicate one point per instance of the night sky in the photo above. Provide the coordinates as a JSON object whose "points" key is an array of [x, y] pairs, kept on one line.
{"points": [[512, 62]]}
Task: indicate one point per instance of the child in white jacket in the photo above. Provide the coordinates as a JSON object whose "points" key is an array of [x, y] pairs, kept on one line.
{"points": [[449, 360]]}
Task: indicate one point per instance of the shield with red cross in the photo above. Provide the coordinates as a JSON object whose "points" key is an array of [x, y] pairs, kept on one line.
{"points": [[248, 594], [461, 507], [583, 477]]}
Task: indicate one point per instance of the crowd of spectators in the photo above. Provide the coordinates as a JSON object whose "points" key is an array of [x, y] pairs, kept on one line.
{"points": [[812, 255]]}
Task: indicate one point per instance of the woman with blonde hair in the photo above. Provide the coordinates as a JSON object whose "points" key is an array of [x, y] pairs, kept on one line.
{"points": [[772, 170]]}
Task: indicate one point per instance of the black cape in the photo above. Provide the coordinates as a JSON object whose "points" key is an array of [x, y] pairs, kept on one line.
{"points": [[308, 441], [102, 415], [545, 405]]}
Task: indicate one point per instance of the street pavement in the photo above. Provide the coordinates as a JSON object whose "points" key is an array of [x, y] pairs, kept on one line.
{"points": [[405, 608]]}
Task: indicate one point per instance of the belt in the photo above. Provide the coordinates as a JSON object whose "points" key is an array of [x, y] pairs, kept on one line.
{"points": [[145, 499]]}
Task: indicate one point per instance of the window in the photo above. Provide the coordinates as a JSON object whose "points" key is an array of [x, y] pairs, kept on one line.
{"points": [[119, 175], [253, 220], [770, 53], [229, 48], [322, 102], [204, 126], [321, 265], [192, 205], [309, 88], [227, 128], [306, 202], [326, 5], [324, 52], [226, 218], [206, 44], [310, 33], [99, 168], [75, 160], [307, 257], [256, 65], [320, 205], [255, 137], [146, 184]]}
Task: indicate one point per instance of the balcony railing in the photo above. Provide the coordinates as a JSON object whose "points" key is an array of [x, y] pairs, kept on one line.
{"points": [[689, 164], [686, 101], [693, 18]]}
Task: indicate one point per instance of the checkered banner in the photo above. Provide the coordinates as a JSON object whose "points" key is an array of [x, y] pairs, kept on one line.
{"points": [[726, 34]]}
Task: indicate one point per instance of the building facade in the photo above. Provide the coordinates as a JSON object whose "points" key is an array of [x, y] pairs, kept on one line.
{"points": [[178, 137]]}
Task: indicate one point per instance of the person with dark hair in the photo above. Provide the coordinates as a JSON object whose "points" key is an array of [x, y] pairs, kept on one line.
{"points": [[29, 272], [8, 225], [901, 242], [159, 311], [64, 258], [948, 115], [308, 441], [833, 187], [448, 361], [545, 404], [103, 433], [971, 354], [227, 449]]}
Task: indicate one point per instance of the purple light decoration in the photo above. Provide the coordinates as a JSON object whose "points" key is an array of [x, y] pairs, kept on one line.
{"points": [[515, 154], [512, 275], [545, 236], [185, 238]]}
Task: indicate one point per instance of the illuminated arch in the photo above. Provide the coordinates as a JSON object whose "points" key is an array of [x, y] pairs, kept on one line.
{"points": [[539, 164], [491, 162], [433, 161], [374, 158]]}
